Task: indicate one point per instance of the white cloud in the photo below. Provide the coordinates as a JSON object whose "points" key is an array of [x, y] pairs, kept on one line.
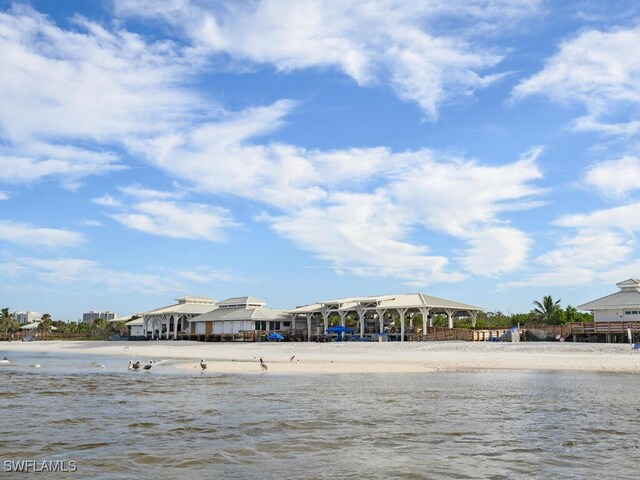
{"points": [[138, 191], [599, 70], [29, 235], [83, 85], [61, 270], [413, 189], [400, 43], [599, 246], [495, 250], [615, 178], [92, 223], [107, 201], [54, 271], [619, 218], [70, 271], [4, 196], [169, 219], [364, 234]]}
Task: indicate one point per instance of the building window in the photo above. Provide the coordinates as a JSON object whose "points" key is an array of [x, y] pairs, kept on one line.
{"points": [[275, 325], [261, 325], [627, 313]]}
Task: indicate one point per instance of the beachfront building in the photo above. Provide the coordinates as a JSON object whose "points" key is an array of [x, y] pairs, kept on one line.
{"points": [[24, 318], [623, 305], [135, 327], [236, 317], [90, 317], [168, 322], [376, 316]]}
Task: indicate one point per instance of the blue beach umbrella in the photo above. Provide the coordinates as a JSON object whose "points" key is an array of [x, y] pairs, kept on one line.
{"points": [[275, 336]]}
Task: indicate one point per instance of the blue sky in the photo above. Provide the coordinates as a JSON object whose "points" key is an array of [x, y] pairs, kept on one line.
{"points": [[485, 151]]}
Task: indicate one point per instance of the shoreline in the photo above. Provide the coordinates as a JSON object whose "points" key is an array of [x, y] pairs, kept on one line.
{"points": [[347, 357]]}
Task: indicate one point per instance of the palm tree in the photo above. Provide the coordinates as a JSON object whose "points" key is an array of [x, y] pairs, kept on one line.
{"points": [[45, 323], [6, 321], [547, 309]]}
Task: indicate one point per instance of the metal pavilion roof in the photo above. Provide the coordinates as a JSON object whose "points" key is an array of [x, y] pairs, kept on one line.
{"points": [[411, 300]]}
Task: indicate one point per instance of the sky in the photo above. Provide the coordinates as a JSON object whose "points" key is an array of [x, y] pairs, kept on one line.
{"points": [[484, 151]]}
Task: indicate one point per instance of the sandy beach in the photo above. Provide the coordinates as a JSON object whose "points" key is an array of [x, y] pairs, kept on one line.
{"points": [[336, 358]]}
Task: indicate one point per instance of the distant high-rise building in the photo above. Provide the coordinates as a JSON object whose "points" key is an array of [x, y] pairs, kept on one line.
{"points": [[89, 317], [26, 317]]}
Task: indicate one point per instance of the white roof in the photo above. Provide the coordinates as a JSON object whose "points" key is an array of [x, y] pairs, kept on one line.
{"points": [[186, 308], [627, 297], [196, 299], [411, 300], [241, 301], [33, 326], [30, 326], [242, 313], [135, 321]]}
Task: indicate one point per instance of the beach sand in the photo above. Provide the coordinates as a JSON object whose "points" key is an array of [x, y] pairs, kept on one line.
{"points": [[354, 357]]}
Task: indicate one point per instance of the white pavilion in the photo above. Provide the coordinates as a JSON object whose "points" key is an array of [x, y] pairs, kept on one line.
{"points": [[375, 314]]}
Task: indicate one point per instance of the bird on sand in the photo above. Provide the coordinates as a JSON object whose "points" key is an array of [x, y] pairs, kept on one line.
{"points": [[5, 361], [291, 359], [134, 366], [148, 366], [263, 365], [203, 364]]}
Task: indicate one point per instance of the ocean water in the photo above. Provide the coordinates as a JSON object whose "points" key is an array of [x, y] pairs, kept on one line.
{"points": [[116, 424]]}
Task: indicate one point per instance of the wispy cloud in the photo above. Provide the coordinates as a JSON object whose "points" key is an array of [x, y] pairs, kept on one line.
{"points": [[47, 272], [598, 70], [314, 208], [615, 179], [394, 42], [169, 219], [596, 246], [50, 74], [25, 234]]}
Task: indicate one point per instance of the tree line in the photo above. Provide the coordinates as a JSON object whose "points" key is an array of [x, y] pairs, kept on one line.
{"points": [[99, 329]]}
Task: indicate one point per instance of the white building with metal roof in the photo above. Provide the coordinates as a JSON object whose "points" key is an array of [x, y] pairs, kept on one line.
{"points": [[623, 305], [239, 314], [374, 314]]}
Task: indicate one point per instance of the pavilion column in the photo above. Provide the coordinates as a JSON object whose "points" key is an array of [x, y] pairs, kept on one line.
{"points": [[325, 319], [361, 312], [401, 312], [308, 327], [166, 336], [474, 317], [425, 313], [175, 327], [450, 313], [146, 328], [343, 314], [380, 312], [293, 322]]}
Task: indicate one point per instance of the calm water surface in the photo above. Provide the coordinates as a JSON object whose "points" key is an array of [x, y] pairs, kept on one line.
{"points": [[120, 425]]}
